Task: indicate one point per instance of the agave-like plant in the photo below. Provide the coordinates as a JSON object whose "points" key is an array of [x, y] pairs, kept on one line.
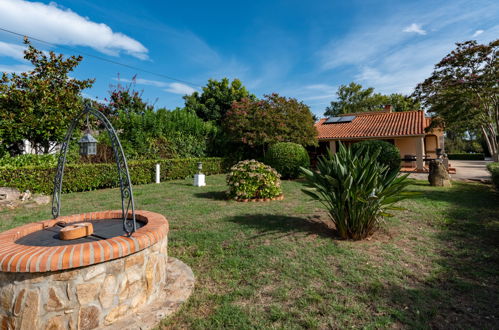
{"points": [[356, 190]]}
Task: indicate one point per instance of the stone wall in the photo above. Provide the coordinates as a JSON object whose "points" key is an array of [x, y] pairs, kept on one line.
{"points": [[83, 298]]}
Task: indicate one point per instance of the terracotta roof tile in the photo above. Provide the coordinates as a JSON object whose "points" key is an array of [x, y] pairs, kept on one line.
{"points": [[375, 125]]}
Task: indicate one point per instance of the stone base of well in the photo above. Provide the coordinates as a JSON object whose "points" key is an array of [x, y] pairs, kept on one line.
{"points": [[177, 289], [96, 296]]}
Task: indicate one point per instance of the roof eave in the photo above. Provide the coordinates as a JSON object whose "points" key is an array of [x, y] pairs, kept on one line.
{"points": [[370, 137]]}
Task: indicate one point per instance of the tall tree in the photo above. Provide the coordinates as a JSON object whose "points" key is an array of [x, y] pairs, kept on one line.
{"points": [[39, 104], [257, 124], [463, 90], [354, 98], [216, 99], [124, 101]]}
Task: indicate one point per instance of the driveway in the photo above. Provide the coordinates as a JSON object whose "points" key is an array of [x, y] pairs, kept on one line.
{"points": [[465, 170]]}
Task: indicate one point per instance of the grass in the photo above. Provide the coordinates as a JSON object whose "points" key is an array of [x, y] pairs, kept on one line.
{"points": [[279, 265]]}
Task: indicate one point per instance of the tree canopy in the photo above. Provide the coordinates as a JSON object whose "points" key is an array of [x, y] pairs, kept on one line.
{"points": [[463, 90], [259, 123], [354, 98], [216, 99], [39, 104]]}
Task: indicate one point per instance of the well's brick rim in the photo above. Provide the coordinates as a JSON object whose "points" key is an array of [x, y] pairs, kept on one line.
{"points": [[21, 258]]}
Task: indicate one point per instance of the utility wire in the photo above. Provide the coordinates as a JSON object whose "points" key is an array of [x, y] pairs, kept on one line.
{"points": [[102, 58]]}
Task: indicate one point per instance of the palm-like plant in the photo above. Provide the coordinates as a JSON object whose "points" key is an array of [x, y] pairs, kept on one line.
{"points": [[356, 190]]}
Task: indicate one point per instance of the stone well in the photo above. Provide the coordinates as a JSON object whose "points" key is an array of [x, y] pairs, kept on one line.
{"points": [[121, 281]]}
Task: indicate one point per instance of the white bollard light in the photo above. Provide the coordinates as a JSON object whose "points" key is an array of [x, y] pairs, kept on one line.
{"points": [[199, 179], [158, 169]]}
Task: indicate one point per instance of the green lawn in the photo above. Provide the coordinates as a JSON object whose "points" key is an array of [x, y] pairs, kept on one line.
{"points": [[278, 264]]}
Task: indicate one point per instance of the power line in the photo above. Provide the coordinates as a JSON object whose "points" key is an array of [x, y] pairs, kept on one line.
{"points": [[102, 58]]}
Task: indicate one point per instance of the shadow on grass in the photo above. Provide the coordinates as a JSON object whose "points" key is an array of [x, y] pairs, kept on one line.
{"points": [[181, 183], [215, 195], [268, 224], [464, 198], [464, 293]]}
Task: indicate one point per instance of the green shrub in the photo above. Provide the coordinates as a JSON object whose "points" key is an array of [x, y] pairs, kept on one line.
{"points": [[388, 156], [82, 177], [465, 156], [494, 172], [355, 189], [287, 158], [28, 160], [250, 179]]}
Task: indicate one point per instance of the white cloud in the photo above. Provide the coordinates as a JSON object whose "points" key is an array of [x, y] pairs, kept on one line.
{"points": [[175, 87], [65, 27], [140, 81], [17, 68], [12, 50], [154, 83], [414, 28], [477, 33], [179, 88], [380, 55], [400, 70], [318, 92]]}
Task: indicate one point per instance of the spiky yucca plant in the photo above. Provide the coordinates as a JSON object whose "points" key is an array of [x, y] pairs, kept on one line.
{"points": [[356, 190]]}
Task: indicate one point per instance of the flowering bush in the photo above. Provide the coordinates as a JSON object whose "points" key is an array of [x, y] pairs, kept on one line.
{"points": [[250, 179]]}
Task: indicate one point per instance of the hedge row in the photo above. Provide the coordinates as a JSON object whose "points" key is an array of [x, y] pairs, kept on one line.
{"points": [[82, 177], [464, 156], [494, 171]]}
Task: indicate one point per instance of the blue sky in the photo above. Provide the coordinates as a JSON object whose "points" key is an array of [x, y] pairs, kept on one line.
{"points": [[302, 49]]}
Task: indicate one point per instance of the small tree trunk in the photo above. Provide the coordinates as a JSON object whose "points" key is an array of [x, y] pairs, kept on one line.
{"points": [[491, 140]]}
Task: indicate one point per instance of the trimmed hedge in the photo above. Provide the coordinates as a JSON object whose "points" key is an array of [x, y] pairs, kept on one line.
{"points": [[465, 156], [494, 172], [287, 158], [82, 177]]}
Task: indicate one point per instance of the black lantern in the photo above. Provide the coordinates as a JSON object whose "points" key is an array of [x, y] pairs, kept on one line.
{"points": [[88, 145]]}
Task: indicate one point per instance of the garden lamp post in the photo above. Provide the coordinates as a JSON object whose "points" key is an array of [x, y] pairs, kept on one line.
{"points": [[199, 179]]}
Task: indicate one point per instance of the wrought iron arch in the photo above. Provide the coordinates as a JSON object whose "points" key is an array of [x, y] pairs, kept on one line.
{"points": [[127, 203]]}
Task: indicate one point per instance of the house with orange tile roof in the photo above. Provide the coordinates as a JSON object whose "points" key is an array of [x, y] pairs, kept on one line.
{"points": [[408, 131]]}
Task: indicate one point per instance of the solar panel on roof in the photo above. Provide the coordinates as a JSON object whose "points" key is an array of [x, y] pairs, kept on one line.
{"points": [[346, 119], [343, 119], [331, 120]]}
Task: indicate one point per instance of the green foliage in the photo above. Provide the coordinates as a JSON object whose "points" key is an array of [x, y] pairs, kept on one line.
{"points": [[494, 171], [146, 133], [216, 99], [28, 160], [124, 100], [287, 158], [356, 190], [388, 156], [38, 105], [48, 160], [81, 177], [466, 156], [251, 179], [462, 90], [353, 98], [258, 124], [463, 142]]}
